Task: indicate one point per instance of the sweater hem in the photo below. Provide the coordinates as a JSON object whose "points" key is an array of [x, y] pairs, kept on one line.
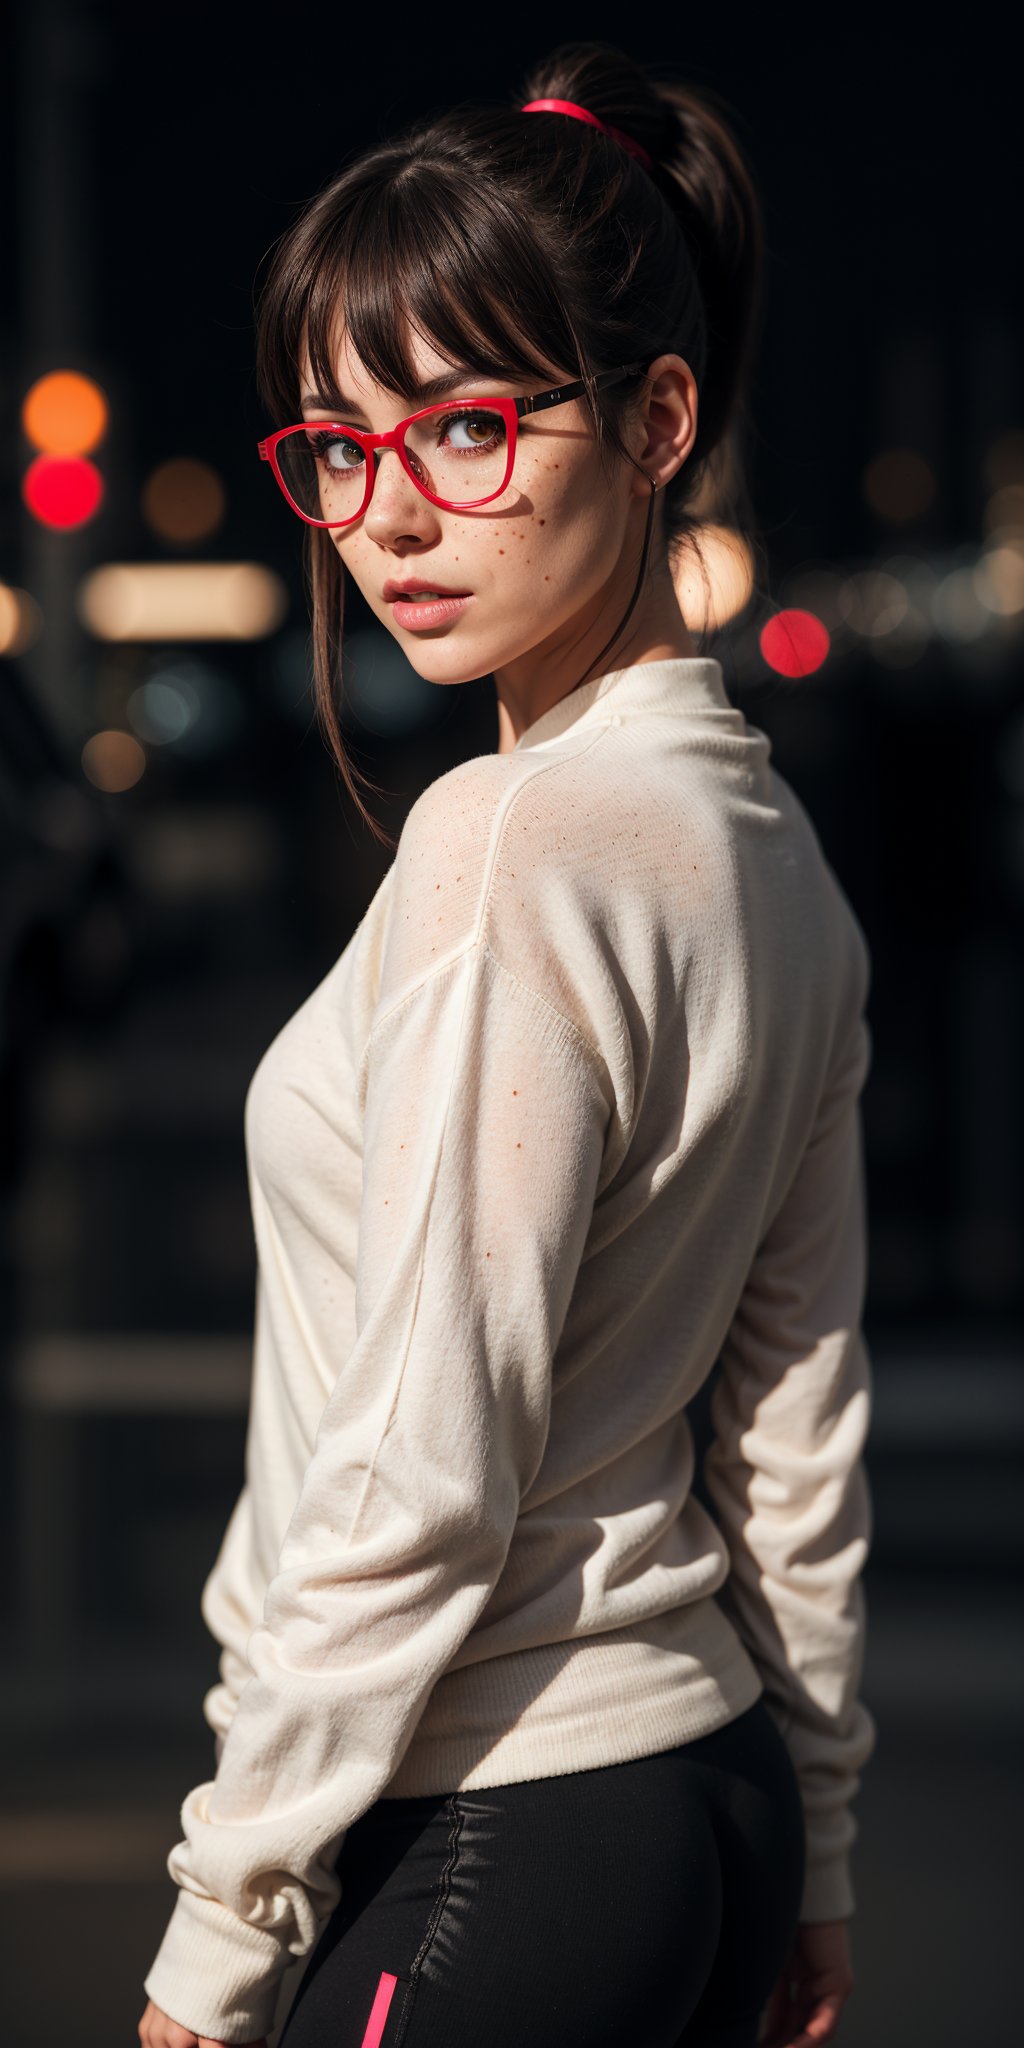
{"points": [[591, 1700]]}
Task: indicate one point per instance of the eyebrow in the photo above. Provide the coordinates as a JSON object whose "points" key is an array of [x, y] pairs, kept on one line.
{"points": [[439, 387]]}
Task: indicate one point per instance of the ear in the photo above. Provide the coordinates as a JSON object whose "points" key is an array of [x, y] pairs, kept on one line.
{"points": [[667, 421]]}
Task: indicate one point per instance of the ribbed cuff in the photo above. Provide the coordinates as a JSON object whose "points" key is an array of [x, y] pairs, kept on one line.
{"points": [[216, 1974], [828, 1891]]}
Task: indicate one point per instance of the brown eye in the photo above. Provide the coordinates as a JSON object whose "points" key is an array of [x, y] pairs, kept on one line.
{"points": [[461, 432]]}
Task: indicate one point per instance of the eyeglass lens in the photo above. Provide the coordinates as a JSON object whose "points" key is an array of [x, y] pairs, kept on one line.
{"points": [[460, 455]]}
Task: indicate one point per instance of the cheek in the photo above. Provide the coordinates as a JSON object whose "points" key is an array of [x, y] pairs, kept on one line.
{"points": [[572, 524], [563, 518], [559, 525]]}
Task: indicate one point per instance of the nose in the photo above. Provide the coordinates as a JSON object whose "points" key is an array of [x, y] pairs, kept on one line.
{"points": [[393, 489]]}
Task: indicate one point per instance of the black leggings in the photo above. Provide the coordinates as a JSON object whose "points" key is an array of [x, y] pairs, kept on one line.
{"points": [[649, 1903]]}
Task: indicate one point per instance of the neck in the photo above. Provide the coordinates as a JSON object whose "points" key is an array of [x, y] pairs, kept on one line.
{"points": [[528, 687]]}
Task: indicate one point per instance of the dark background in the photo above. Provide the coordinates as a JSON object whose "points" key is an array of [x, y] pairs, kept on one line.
{"points": [[152, 942]]}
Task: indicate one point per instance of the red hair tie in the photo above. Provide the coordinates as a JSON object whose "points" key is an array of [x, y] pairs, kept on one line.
{"points": [[583, 114]]}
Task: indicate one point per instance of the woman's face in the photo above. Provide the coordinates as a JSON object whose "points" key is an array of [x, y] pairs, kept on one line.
{"points": [[550, 564]]}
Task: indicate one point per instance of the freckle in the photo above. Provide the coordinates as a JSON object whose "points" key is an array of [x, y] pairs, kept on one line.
{"points": [[501, 551], [519, 1144], [515, 1091], [547, 579], [487, 1255]]}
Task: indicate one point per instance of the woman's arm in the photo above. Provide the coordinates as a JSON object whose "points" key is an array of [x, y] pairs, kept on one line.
{"points": [[232, 1597], [784, 1469], [231, 1604], [485, 1120]]}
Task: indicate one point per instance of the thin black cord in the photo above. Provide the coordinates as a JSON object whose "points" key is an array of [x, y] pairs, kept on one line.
{"points": [[623, 622]]}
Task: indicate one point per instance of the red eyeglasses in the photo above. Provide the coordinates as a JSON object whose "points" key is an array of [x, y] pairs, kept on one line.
{"points": [[459, 454]]}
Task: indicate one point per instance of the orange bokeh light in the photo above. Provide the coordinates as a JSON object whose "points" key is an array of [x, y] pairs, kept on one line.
{"points": [[184, 500], [65, 413], [113, 761]]}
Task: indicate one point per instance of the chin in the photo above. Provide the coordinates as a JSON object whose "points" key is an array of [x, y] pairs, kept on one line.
{"points": [[439, 660]]}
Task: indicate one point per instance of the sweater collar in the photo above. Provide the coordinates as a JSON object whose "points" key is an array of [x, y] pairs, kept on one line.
{"points": [[673, 687]]}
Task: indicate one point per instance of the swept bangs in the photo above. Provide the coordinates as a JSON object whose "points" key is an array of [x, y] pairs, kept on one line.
{"points": [[416, 250]]}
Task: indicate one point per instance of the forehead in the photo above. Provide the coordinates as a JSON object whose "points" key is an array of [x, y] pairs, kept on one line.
{"points": [[351, 374]]}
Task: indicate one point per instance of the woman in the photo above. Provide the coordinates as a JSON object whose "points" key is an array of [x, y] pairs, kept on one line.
{"points": [[522, 1740]]}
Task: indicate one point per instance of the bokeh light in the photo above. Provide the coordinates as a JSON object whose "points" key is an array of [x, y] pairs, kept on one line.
{"points": [[899, 485], [999, 579], [957, 609], [184, 501], [62, 491], [873, 601], [905, 637], [794, 643], [182, 601], [188, 706], [728, 564], [160, 711], [113, 761], [21, 619], [64, 413]]}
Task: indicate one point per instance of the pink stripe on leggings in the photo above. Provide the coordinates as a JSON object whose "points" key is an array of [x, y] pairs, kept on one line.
{"points": [[379, 2010]]}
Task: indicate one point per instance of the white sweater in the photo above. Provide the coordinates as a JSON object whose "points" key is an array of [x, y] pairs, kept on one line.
{"points": [[574, 1115]]}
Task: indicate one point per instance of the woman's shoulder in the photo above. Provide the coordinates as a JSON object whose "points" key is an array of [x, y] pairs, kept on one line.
{"points": [[468, 836]]}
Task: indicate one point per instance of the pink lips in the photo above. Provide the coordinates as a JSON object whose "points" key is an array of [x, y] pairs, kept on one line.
{"points": [[425, 612]]}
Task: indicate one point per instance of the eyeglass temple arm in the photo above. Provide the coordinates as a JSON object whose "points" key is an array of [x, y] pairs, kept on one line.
{"points": [[546, 398], [567, 391]]}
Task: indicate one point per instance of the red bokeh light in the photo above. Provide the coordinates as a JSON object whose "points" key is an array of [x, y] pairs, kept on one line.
{"points": [[794, 643], [62, 490]]}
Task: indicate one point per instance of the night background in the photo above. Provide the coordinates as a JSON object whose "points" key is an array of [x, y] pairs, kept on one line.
{"points": [[181, 866]]}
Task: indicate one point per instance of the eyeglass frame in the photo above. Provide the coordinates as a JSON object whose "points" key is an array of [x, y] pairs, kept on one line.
{"points": [[511, 409]]}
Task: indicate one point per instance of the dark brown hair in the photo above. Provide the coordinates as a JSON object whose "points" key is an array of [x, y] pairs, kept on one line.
{"points": [[516, 242]]}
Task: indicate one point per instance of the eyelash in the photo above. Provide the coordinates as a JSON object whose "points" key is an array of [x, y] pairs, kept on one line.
{"points": [[321, 442]]}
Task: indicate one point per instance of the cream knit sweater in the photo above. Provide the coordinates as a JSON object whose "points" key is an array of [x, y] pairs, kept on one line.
{"points": [[573, 1116]]}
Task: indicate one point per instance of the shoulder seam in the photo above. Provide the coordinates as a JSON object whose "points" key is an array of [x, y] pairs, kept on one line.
{"points": [[566, 1022], [481, 944], [477, 937], [509, 802]]}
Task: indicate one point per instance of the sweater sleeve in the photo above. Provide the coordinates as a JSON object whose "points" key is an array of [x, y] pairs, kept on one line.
{"points": [[790, 1415], [232, 1597], [230, 1606], [485, 1115]]}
